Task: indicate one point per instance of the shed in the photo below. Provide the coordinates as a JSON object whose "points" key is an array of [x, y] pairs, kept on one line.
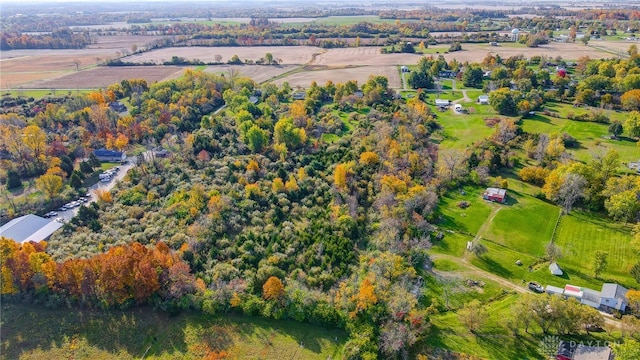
{"points": [[554, 290], [483, 99], [29, 228], [442, 103], [555, 269], [495, 194]]}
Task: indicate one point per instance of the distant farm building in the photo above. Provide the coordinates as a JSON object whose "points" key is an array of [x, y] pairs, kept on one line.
{"points": [[299, 95], [109, 155], [494, 43], [404, 69], [483, 99], [495, 194], [442, 103], [555, 269], [29, 228]]}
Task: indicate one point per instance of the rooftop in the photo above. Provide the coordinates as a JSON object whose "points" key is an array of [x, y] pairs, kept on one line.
{"points": [[613, 291], [584, 352], [29, 228], [495, 192]]}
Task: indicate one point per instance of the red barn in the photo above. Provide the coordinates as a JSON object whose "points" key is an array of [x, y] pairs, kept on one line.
{"points": [[495, 194]]}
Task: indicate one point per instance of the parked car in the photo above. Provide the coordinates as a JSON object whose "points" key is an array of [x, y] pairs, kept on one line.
{"points": [[50, 214], [535, 287], [63, 208]]}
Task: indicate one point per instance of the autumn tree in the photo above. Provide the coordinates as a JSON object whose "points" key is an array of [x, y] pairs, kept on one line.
{"points": [[273, 289], [631, 99], [340, 176], [473, 316], [50, 184]]}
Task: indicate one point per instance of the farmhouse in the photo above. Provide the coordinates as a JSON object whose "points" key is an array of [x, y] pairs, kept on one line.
{"points": [[447, 74], [483, 99], [29, 228], [495, 194], [555, 269], [612, 296], [109, 155], [298, 95], [442, 103]]}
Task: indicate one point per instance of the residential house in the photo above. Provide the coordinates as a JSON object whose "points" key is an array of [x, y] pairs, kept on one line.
{"points": [[495, 194], [555, 269], [447, 74], [109, 155], [612, 296], [298, 95]]}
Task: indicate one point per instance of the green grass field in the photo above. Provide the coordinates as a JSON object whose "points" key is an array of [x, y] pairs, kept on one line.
{"points": [[462, 130], [589, 134], [32, 332], [580, 235], [42, 93]]}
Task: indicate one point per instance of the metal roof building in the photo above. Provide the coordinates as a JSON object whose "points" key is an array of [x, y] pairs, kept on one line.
{"points": [[29, 228]]}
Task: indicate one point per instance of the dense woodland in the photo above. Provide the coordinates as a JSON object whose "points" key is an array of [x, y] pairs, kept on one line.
{"points": [[319, 210]]}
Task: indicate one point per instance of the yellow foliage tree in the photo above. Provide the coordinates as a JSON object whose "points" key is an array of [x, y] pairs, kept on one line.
{"points": [[121, 142], [273, 289], [369, 158], [291, 185], [277, 185], [633, 296], [253, 165], [340, 176], [104, 195], [50, 184], [366, 296]]}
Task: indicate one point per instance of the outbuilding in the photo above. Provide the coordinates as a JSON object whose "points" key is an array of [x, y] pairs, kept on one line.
{"points": [[613, 296], [554, 290], [442, 103], [495, 194], [483, 99], [29, 228], [109, 155], [555, 269]]}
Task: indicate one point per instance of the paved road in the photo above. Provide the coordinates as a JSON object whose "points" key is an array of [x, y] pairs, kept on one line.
{"points": [[69, 214]]}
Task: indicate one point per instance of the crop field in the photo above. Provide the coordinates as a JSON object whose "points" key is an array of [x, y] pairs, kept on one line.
{"points": [[338, 75], [259, 73], [296, 55], [101, 77], [143, 333]]}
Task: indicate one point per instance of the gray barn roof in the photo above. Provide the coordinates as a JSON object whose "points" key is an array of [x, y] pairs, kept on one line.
{"points": [[613, 291], [29, 228]]}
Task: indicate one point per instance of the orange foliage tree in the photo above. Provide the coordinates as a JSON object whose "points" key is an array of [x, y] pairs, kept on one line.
{"points": [[273, 289]]}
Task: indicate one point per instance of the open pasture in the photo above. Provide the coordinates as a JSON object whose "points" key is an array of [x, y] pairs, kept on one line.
{"points": [[339, 75]]}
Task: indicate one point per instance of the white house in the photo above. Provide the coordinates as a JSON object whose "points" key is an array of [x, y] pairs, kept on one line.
{"points": [[555, 269], [612, 296], [590, 297]]}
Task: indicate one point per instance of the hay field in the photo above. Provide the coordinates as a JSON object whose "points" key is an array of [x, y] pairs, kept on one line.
{"points": [[339, 75], [259, 73], [101, 77], [296, 55]]}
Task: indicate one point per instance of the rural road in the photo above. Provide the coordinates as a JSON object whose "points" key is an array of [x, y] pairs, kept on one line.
{"points": [[69, 214]]}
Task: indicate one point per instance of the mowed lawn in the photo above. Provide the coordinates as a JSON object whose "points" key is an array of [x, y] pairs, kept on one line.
{"points": [[33, 332], [589, 134], [580, 235], [523, 224], [461, 130]]}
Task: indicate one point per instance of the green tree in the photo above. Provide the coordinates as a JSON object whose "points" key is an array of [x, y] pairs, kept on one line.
{"points": [[86, 167], [502, 101], [420, 80], [268, 57], [13, 180], [623, 206], [472, 77], [632, 125], [615, 129], [50, 184], [600, 259], [75, 181], [256, 138], [628, 350]]}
